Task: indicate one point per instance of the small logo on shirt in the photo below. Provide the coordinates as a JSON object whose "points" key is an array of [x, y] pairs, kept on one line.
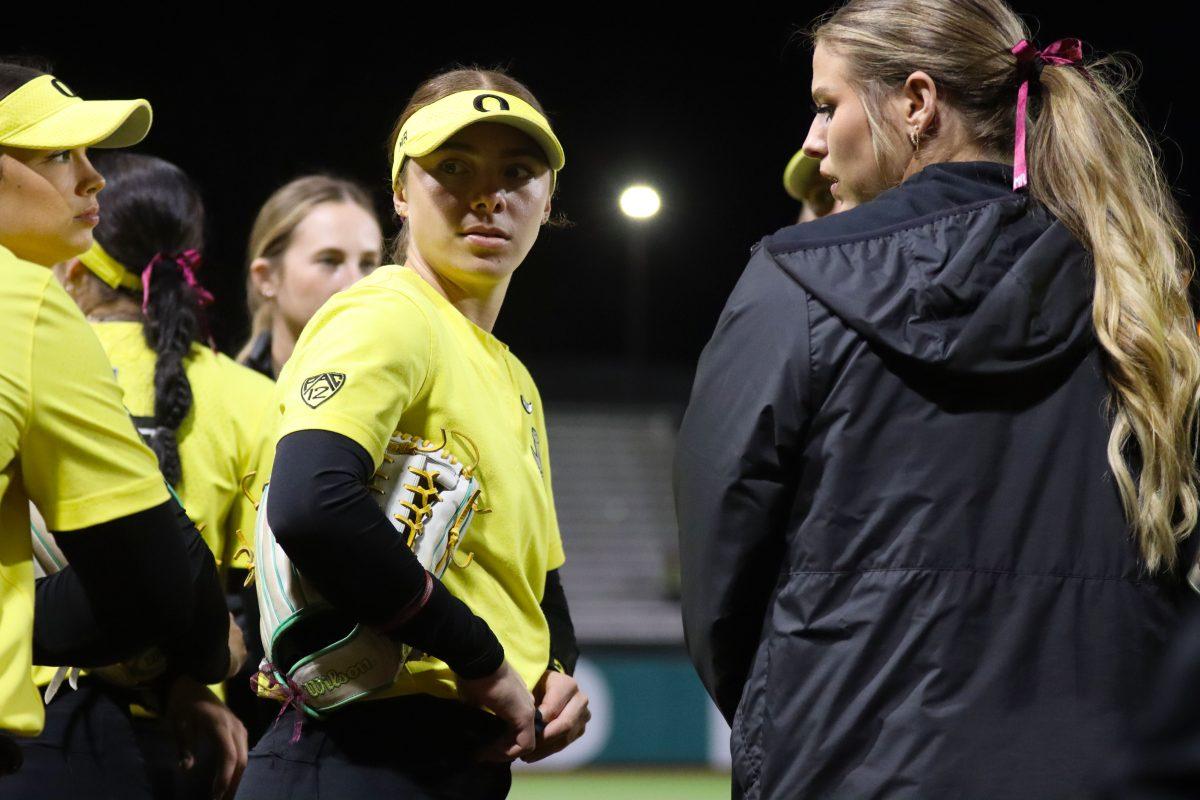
{"points": [[525, 404], [536, 448], [319, 388]]}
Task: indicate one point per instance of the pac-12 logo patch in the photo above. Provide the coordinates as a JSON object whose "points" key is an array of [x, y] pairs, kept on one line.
{"points": [[319, 388]]}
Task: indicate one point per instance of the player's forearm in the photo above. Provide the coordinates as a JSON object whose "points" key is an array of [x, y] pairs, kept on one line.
{"points": [[563, 648], [324, 518], [120, 594], [144, 580], [201, 651]]}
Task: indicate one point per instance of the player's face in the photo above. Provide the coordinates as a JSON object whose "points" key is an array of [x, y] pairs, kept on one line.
{"points": [[48, 204], [840, 135], [474, 206], [331, 248]]}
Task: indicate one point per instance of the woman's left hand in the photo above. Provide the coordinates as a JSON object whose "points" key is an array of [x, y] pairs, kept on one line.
{"points": [[564, 709]]}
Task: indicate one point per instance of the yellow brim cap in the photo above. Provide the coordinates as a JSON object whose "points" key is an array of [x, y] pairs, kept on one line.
{"points": [[430, 126], [799, 174], [44, 114]]}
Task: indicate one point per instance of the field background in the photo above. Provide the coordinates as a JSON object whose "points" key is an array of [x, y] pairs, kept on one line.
{"points": [[625, 784]]}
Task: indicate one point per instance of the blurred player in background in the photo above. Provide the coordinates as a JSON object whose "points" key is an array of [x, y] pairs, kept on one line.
{"points": [[411, 348], [313, 237], [199, 411], [931, 530], [139, 574], [802, 180]]}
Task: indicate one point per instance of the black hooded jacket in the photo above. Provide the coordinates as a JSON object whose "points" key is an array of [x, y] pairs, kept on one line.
{"points": [[906, 569]]}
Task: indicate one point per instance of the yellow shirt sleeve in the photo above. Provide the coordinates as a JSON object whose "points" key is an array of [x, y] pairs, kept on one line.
{"points": [[358, 365], [82, 462]]}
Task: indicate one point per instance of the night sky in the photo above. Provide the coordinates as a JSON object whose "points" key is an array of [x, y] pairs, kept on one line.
{"points": [[708, 110]]}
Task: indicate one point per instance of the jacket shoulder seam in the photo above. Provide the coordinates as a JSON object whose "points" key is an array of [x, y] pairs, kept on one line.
{"points": [[887, 231]]}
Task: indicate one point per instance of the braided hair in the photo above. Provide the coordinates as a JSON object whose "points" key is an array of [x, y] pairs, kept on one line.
{"points": [[153, 213]]}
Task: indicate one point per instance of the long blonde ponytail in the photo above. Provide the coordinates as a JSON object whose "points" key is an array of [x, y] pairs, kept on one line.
{"points": [[1094, 168]]}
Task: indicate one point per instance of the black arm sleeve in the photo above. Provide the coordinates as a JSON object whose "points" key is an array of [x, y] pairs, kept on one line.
{"points": [[563, 648], [141, 580], [325, 519]]}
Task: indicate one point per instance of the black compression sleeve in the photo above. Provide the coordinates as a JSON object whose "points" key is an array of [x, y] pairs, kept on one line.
{"points": [[126, 589], [325, 519], [563, 647], [202, 651]]}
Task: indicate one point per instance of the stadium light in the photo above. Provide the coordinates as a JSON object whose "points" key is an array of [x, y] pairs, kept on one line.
{"points": [[640, 201]]}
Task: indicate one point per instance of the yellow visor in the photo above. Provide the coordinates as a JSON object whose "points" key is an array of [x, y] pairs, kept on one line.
{"points": [[799, 174], [108, 269], [44, 114], [430, 126]]}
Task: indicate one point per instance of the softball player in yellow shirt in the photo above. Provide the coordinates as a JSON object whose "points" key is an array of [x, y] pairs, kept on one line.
{"points": [[199, 411], [313, 237], [138, 574], [410, 348]]}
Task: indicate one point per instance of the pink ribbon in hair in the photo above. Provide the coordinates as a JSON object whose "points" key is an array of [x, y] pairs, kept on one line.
{"points": [[188, 261], [1030, 61]]}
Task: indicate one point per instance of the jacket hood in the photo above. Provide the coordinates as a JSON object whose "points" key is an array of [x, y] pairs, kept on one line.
{"points": [[951, 269]]}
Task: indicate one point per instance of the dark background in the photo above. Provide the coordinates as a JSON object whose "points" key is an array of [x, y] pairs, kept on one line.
{"points": [[708, 110]]}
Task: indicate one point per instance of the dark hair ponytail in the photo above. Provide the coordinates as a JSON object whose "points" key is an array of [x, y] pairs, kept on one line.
{"points": [[172, 324], [152, 216]]}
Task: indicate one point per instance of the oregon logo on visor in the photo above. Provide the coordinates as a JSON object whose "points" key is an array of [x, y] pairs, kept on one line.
{"points": [[62, 88], [500, 105], [319, 388]]}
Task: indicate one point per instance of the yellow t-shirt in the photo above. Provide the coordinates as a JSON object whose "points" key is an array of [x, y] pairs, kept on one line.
{"points": [[399, 355], [220, 439], [66, 443]]}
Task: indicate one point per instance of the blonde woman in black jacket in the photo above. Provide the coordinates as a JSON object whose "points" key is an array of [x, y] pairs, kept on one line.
{"points": [[938, 460]]}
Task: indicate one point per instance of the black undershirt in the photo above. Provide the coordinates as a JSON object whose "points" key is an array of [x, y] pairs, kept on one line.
{"points": [[564, 652], [324, 518], [141, 580]]}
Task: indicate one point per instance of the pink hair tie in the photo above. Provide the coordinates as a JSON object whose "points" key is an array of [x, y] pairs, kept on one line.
{"points": [[188, 261], [1030, 62]]}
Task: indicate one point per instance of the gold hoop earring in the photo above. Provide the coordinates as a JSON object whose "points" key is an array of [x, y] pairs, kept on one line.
{"points": [[915, 139]]}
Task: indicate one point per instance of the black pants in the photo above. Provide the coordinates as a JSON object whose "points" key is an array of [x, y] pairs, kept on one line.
{"points": [[92, 747], [87, 751], [415, 748]]}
